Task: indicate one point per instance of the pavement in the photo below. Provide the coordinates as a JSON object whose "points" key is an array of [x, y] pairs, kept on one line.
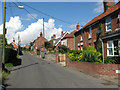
{"points": [[38, 73]]}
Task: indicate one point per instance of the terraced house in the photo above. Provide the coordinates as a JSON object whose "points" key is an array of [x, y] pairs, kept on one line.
{"points": [[104, 28]]}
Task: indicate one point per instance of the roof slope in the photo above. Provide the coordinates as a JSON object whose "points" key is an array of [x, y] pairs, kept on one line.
{"points": [[71, 35], [104, 14]]}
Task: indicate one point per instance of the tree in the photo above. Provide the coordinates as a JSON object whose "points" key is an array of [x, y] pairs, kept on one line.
{"points": [[63, 49], [48, 45]]}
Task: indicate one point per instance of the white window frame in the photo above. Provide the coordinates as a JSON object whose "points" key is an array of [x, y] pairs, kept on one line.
{"points": [[90, 32], [108, 24], [81, 36], [110, 47]]}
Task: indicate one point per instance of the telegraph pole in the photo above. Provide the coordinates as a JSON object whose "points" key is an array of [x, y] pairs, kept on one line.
{"points": [[43, 40], [4, 20]]}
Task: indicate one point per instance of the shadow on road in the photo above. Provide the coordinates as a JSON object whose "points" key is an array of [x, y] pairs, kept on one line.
{"points": [[23, 67]]}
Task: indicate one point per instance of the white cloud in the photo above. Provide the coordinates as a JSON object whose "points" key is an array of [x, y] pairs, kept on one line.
{"points": [[31, 32], [99, 7], [72, 26], [13, 26]]}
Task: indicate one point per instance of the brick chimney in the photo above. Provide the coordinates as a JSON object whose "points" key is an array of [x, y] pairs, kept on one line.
{"points": [[61, 33], [54, 36], [77, 26], [13, 40], [40, 34], [108, 4]]}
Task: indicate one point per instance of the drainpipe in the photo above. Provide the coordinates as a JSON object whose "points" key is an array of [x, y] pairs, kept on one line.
{"points": [[74, 41], [102, 50]]}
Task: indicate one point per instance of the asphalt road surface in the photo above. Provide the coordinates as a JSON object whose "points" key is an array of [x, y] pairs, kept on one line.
{"points": [[37, 73]]}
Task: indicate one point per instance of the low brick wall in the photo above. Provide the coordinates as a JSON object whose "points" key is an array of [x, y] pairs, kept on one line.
{"points": [[103, 69]]}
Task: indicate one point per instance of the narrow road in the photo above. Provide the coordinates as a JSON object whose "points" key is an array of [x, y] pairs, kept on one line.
{"points": [[37, 73]]}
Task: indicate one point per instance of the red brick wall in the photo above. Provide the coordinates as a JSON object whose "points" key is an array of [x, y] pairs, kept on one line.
{"points": [[114, 23], [70, 43], [103, 69], [86, 38]]}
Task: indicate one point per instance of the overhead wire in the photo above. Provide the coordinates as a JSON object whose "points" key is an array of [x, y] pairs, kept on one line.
{"points": [[44, 13]]}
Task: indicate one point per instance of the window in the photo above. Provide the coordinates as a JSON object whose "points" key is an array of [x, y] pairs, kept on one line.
{"points": [[90, 34], [113, 48], [110, 48], [81, 35], [108, 24]]}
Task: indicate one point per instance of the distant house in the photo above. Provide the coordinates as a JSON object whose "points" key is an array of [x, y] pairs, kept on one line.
{"points": [[109, 22], [57, 42], [15, 46], [68, 40], [27, 46], [38, 43]]}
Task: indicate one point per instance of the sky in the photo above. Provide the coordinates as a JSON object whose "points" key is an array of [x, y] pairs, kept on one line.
{"points": [[19, 21]]}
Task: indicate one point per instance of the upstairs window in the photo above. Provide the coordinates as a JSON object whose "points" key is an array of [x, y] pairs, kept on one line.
{"points": [[90, 34], [108, 24]]}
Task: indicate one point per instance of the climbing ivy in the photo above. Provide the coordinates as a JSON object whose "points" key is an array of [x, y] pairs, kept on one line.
{"points": [[98, 42]]}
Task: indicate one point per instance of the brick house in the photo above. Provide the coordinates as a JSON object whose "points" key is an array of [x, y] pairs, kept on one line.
{"points": [[14, 44], [27, 46], [68, 40], [57, 42], [109, 21], [38, 43]]}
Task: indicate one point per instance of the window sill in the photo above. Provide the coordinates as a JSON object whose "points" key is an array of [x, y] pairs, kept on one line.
{"points": [[81, 40], [89, 37]]}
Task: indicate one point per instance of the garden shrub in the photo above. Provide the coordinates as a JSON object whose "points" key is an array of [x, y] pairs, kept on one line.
{"points": [[84, 48], [90, 55], [111, 60], [10, 55], [92, 48], [62, 49], [74, 55]]}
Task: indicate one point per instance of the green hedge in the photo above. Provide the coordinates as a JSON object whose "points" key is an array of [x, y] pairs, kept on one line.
{"points": [[90, 55], [112, 60], [74, 55], [10, 55]]}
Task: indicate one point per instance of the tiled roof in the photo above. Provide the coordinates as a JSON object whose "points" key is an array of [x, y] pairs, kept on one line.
{"points": [[71, 35], [14, 45], [104, 14]]}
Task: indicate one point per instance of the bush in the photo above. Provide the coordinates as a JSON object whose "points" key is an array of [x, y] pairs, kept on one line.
{"points": [[92, 48], [74, 55], [91, 56], [84, 48], [10, 55], [111, 60], [51, 53], [62, 49], [9, 65]]}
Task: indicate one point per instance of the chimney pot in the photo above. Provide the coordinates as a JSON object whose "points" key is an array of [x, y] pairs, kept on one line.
{"points": [[77, 26], [40, 34]]}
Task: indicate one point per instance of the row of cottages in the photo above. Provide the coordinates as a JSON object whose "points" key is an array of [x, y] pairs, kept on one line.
{"points": [[38, 43], [106, 26]]}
